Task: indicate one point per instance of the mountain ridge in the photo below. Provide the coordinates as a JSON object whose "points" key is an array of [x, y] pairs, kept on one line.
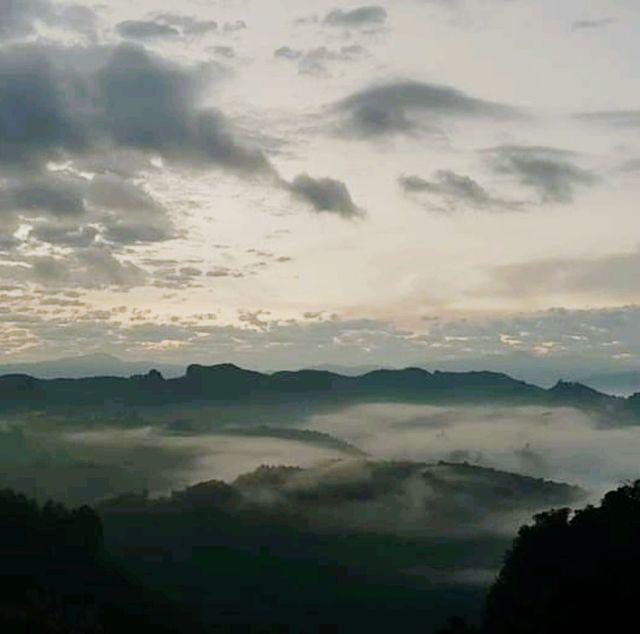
{"points": [[87, 365], [229, 383]]}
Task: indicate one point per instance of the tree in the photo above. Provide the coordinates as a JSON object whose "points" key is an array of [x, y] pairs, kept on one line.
{"points": [[572, 573]]}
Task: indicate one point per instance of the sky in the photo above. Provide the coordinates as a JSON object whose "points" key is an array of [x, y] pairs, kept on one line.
{"points": [[444, 183]]}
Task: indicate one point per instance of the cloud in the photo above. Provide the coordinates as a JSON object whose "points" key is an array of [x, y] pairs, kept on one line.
{"points": [[581, 25], [55, 195], [64, 235], [188, 24], [632, 165], [227, 52], [145, 29], [325, 194], [36, 120], [389, 108], [91, 267], [165, 25], [540, 346], [454, 191], [59, 103], [619, 118], [313, 61], [561, 443], [612, 276], [232, 27], [18, 17], [79, 18], [71, 210], [357, 18], [150, 105], [85, 106], [548, 171], [285, 52]]}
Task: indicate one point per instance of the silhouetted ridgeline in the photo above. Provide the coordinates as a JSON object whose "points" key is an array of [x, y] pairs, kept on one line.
{"points": [[228, 383], [570, 573]]}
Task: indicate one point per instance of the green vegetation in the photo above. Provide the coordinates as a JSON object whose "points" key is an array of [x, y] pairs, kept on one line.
{"points": [[569, 572]]}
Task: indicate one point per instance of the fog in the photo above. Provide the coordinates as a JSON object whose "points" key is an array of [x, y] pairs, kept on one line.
{"points": [[171, 461], [562, 444]]}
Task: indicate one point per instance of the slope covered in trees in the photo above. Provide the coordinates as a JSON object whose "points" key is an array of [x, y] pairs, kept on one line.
{"points": [[570, 572], [55, 576]]}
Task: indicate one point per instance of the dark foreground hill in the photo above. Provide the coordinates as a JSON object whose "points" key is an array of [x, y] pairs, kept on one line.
{"points": [[349, 547], [229, 384], [353, 546], [57, 578], [569, 572]]}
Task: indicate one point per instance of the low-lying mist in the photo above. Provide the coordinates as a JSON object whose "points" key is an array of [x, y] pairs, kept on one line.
{"points": [[82, 464], [174, 461], [562, 444]]}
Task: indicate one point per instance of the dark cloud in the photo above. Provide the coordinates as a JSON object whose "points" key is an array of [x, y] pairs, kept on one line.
{"points": [[187, 24], [88, 107], [389, 108], [357, 18], [454, 190], [150, 105], [91, 267], [551, 173], [232, 27], [56, 103], [109, 191], [125, 213], [227, 52], [79, 18], [59, 196], [18, 17], [37, 122], [579, 25], [73, 211], [176, 277], [632, 165], [145, 29], [325, 194], [285, 52], [314, 61], [63, 235]]}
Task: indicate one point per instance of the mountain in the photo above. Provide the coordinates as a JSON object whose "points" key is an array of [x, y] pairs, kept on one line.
{"points": [[228, 384], [351, 546], [89, 365]]}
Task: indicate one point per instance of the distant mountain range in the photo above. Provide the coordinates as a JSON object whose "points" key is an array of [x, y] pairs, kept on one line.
{"points": [[89, 365], [229, 384]]}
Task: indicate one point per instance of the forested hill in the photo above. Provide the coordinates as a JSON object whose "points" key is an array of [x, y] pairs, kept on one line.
{"points": [[229, 383]]}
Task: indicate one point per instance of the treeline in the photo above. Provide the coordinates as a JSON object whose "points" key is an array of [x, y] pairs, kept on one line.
{"points": [[566, 572], [55, 576], [569, 572]]}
